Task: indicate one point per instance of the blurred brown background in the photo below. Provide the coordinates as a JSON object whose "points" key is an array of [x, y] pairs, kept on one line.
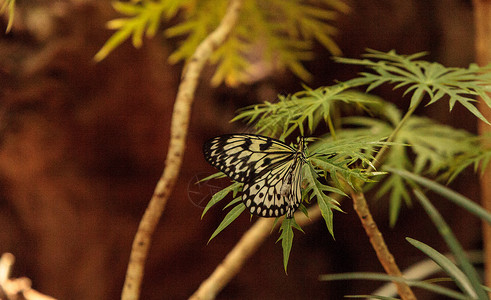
{"points": [[83, 144]]}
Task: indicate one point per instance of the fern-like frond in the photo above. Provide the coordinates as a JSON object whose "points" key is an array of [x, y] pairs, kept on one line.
{"points": [[143, 17], [478, 157], [286, 238], [422, 146], [315, 189], [303, 110], [421, 78], [274, 34]]}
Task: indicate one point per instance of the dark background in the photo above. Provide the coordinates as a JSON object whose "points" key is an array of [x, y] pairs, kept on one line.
{"points": [[83, 144]]}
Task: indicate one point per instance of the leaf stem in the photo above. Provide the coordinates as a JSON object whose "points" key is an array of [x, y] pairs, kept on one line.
{"points": [[331, 127], [178, 132], [380, 155]]}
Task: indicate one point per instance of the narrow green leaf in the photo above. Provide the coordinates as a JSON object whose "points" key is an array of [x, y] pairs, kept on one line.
{"points": [[384, 277], [114, 41], [327, 214], [213, 176], [229, 218], [127, 8], [456, 198], [217, 197], [233, 202], [453, 244], [447, 265], [286, 238]]}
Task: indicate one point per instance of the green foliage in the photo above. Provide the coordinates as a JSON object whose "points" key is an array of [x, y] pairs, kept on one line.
{"points": [[422, 146], [8, 6], [286, 238], [447, 266], [230, 217], [315, 189], [143, 17], [346, 156], [422, 77], [278, 33], [475, 288], [292, 112], [450, 294], [478, 157], [331, 163], [447, 193], [217, 197]]}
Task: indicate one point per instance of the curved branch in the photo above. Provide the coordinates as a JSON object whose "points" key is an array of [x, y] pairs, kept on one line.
{"points": [[178, 133], [235, 259]]}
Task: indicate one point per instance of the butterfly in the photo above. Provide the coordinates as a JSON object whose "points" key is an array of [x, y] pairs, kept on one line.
{"points": [[270, 170]]}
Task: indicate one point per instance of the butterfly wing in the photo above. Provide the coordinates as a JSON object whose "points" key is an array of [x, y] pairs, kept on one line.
{"points": [[269, 169], [243, 157], [276, 192]]}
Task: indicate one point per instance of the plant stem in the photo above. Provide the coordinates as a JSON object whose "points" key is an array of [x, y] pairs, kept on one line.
{"points": [[375, 236], [380, 155], [178, 132], [331, 127], [378, 243]]}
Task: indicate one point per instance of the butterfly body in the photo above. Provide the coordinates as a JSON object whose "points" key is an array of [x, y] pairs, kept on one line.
{"points": [[270, 170]]}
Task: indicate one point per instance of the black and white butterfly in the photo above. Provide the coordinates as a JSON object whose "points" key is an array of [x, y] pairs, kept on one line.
{"points": [[270, 170]]}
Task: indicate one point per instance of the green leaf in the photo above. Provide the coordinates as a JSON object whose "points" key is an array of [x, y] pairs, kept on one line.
{"points": [[424, 78], [229, 218], [213, 176], [455, 197], [277, 45], [217, 197], [326, 211], [142, 17], [305, 108], [384, 277], [317, 190], [286, 238], [453, 244], [8, 5], [421, 145], [447, 265], [479, 156]]}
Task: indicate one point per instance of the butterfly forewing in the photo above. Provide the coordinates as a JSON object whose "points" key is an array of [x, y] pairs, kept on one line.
{"points": [[244, 156], [269, 169]]}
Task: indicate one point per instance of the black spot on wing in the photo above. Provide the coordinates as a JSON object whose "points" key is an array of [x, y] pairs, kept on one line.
{"points": [[265, 146]]}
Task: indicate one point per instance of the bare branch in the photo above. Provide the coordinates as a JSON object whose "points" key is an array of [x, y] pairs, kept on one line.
{"points": [[378, 243], [16, 288], [178, 133], [247, 245]]}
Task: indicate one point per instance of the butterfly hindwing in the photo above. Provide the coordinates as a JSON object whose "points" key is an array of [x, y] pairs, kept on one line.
{"points": [[269, 169], [276, 192]]}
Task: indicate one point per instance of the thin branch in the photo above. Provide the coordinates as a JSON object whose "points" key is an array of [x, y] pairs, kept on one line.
{"points": [[247, 245], [178, 133], [360, 205], [16, 288], [376, 239]]}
